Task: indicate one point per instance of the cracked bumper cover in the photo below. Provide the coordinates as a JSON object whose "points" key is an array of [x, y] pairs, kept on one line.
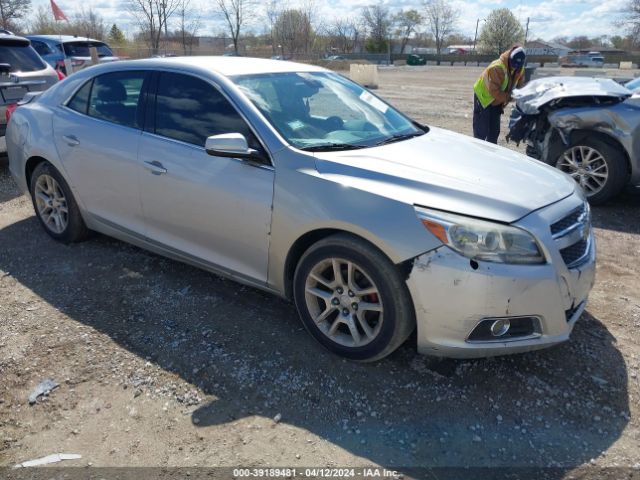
{"points": [[451, 298]]}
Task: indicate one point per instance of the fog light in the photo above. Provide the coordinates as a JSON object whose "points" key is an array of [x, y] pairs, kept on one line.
{"points": [[500, 327]]}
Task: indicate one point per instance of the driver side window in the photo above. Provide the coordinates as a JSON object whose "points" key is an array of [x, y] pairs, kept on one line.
{"points": [[190, 110]]}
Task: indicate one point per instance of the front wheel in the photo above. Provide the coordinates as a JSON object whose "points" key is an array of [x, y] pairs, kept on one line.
{"points": [[352, 299], [599, 168]]}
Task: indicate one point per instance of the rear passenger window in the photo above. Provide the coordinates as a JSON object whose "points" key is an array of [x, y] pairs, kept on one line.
{"points": [[80, 101], [41, 47], [115, 98], [190, 110]]}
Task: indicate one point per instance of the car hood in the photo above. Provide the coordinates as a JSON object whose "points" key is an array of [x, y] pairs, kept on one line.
{"points": [[452, 172], [539, 92]]}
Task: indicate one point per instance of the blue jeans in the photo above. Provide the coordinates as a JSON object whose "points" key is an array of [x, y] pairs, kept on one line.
{"points": [[486, 121]]}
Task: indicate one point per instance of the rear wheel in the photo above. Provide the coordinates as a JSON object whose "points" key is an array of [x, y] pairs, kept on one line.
{"points": [[55, 206], [598, 167], [352, 299]]}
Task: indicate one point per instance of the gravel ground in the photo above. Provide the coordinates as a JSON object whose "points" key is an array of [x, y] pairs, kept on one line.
{"points": [[161, 364]]}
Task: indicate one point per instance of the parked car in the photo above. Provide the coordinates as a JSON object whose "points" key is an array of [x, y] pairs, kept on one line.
{"points": [[586, 127], [415, 59], [55, 48], [582, 61], [21, 71], [296, 180], [281, 57]]}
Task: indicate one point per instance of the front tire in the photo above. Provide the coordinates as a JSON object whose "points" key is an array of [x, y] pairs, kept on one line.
{"points": [[598, 167], [352, 299], [55, 206]]}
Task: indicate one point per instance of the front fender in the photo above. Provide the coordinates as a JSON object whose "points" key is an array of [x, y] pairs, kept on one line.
{"points": [[305, 201]]}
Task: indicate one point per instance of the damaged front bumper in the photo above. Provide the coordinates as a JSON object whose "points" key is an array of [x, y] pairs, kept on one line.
{"points": [[455, 298]]}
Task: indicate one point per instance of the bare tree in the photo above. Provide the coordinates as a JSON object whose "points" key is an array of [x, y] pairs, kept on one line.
{"points": [[378, 21], [12, 11], [273, 10], [236, 13], [90, 24], [632, 19], [441, 20], [188, 26], [343, 34], [152, 17], [407, 22], [293, 31]]}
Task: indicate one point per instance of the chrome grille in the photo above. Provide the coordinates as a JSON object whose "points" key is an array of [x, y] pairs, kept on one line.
{"points": [[568, 221], [572, 234], [575, 252]]}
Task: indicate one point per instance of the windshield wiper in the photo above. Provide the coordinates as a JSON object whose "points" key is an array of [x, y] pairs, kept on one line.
{"points": [[328, 147], [398, 138]]}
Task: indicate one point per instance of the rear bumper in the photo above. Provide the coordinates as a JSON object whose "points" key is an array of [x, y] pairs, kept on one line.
{"points": [[451, 299]]}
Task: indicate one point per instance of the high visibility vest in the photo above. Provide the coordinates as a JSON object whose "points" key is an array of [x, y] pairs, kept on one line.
{"points": [[480, 87]]}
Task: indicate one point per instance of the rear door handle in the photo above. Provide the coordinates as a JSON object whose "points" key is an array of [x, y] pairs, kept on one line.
{"points": [[155, 167], [71, 140]]}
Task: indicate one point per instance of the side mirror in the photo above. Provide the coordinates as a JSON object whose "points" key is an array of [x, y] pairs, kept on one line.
{"points": [[231, 145]]}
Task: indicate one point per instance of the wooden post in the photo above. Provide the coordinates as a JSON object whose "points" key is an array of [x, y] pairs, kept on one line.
{"points": [[94, 55]]}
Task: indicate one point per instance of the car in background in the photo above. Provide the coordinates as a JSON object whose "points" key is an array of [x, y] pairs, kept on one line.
{"points": [[633, 85], [281, 57], [586, 127], [592, 59], [21, 71], [296, 180], [55, 48]]}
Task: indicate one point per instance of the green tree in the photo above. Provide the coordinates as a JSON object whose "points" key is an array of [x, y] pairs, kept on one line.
{"points": [[500, 31], [116, 37], [407, 22]]}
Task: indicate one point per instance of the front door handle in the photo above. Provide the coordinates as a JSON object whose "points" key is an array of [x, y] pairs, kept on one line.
{"points": [[155, 167], [71, 140]]}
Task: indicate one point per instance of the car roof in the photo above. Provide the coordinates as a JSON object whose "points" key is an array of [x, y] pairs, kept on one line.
{"points": [[13, 39], [63, 38], [226, 66]]}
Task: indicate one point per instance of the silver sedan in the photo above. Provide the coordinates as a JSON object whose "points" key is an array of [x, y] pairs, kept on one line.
{"points": [[294, 179]]}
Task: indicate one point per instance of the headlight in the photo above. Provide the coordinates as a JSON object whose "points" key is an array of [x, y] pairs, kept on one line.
{"points": [[482, 240]]}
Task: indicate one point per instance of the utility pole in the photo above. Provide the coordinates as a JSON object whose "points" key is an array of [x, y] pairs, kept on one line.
{"points": [[526, 33], [475, 37]]}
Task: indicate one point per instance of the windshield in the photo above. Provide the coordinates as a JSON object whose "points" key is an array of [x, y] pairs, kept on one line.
{"points": [[22, 58], [633, 84], [81, 49], [325, 111]]}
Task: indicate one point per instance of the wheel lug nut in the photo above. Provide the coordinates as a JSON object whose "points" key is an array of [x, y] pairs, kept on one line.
{"points": [[351, 294], [339, 290], [335, 301], [345, 312], [354, 306]]}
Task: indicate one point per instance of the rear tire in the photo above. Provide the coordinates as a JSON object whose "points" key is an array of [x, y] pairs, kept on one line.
{"points": [[364, 312], [55, 206], [597, 166]]}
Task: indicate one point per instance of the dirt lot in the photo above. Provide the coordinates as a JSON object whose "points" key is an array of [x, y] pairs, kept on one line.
{"points": [[160, 364]]}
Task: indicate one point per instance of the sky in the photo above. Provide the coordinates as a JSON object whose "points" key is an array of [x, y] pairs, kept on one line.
{"points": [[548, 18]]}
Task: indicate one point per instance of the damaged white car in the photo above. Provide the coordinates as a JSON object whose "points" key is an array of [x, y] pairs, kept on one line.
{"points": [[294, 179], [587, 127]]}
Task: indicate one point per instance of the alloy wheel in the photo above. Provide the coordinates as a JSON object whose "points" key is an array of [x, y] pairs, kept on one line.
{"points": [[51, 204], [344, 302], [586, 166]]}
